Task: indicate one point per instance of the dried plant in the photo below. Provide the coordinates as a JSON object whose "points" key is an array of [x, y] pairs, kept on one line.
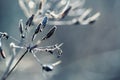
{"points": [[65, 12], [59, 12], [29, 47]]}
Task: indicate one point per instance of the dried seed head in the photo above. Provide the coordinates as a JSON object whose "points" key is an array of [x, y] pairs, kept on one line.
{"points": [[44, 21], [21, 29], [29, 21], [50, 33], [33, 37], [38, 28], [41, 6], [48, 67], [21, 26], [36, 31], [64, 14]]}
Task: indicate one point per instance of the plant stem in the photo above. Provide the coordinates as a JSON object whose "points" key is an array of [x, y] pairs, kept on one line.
{"points": [[6, 76], [8, 68]]}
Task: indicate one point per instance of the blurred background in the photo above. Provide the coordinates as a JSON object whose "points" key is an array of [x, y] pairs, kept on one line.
{"points": [[90, 52]]}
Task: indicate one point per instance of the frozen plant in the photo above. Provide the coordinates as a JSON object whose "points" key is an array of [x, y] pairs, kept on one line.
{"points": [[29, 44], [59, 12]]}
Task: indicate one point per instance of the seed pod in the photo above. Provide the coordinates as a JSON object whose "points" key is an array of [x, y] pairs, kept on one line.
{"points": [[38, 28], [47, 68], [36, 31], [5, 35], [2, 53], [64, 14], [40, 5], [44, 22], [29, 21], [50, 33], [33, 37], [21, 26]]}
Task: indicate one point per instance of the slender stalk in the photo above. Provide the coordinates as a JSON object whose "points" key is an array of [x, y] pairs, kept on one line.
{"points": [[8, 68], [6, 76]]}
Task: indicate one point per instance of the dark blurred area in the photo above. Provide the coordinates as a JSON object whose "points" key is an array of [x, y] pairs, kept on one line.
{"points": [[90, 52]]}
